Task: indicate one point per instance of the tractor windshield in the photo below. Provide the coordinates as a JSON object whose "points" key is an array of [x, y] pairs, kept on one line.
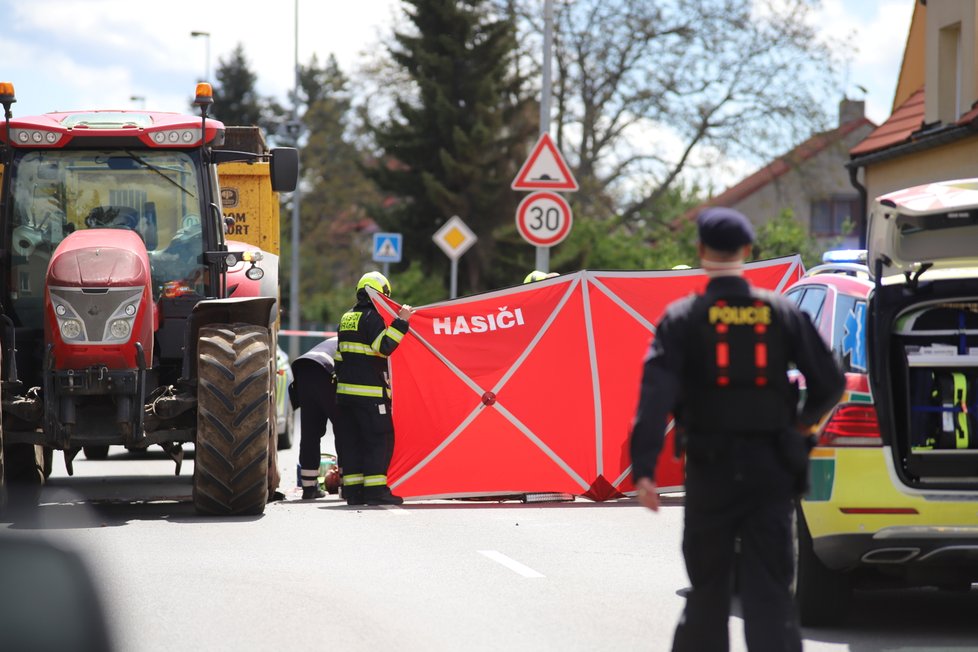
{"points": [[57, 192]]}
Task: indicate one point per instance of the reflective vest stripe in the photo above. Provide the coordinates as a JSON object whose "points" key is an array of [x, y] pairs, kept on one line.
{"points": [[353, 479], [371, 391], [374, 480], [357, 347], [394, 334], [760, 351], [722, 352], [963, 430], [375, 345]]}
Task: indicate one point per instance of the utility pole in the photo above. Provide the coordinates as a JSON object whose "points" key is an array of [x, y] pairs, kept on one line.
{"points": [[543, 253], [296, 198]]}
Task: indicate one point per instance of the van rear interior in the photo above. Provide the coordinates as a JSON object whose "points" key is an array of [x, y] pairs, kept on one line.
{"points": [[934, 374]]}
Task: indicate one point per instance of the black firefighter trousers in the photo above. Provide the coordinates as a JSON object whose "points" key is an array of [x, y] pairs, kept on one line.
{"points": [[364, 433], [316, 397], [746, 493]]}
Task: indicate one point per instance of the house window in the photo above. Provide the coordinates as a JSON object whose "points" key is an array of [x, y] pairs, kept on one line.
{"points": [[949, 74], [829, 216]]}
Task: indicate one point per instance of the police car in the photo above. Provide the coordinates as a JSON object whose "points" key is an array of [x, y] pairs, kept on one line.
{"points": [[894, 483]]}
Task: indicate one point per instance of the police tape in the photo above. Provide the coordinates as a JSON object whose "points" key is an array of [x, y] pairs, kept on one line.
{"points": [[308, 333]]}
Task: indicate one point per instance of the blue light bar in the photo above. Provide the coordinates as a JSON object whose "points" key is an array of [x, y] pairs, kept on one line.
{"points": [[845, 256]]}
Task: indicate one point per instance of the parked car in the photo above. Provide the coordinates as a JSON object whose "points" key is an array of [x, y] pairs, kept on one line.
{"points": [[285, 415], [894, 491]]}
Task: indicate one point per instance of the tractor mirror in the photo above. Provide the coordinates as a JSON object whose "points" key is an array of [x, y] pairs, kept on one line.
{"points": [[284, 165]]}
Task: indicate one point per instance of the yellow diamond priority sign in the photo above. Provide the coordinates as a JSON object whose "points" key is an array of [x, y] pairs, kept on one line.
{"points": [[454, 237]]}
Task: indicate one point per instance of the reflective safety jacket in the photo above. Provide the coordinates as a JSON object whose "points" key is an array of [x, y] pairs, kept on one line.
{"points": [[364, 342]]}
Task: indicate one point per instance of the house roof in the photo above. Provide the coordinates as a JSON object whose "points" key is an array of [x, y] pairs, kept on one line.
{"points": [[783, 164], [906, 127], [908, 118]]}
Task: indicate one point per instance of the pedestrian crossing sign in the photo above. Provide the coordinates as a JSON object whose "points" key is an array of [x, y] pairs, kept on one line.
{"points": [[387, 247]]}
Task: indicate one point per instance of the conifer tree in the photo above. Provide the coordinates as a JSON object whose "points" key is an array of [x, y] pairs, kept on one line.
{"points": [[455, 146], [235, 99]]}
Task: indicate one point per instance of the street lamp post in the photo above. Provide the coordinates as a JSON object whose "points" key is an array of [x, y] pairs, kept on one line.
{"points": [[207, 53], [296, 197], [139, 98]]}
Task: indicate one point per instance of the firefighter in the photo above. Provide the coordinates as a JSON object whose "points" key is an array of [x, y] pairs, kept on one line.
{"points": [[363, 425], [313, 390], [719, 362]]}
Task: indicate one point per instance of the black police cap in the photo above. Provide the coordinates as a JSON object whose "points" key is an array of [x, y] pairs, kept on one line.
{"points": [[724, 229]]}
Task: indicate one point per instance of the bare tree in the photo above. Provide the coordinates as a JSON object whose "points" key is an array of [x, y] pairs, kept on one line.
{"points": [[649, 92]]}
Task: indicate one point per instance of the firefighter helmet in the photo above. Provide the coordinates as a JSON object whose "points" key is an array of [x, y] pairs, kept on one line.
{"points": [[377, 281], [537, 275]]}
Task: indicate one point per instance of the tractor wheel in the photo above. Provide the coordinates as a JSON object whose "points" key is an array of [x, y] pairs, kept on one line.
{"points": [[233, 419], [822, 594]]}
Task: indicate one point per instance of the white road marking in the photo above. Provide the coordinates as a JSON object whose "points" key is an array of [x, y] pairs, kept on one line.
{"points": [[511, 564], [394, 509]]}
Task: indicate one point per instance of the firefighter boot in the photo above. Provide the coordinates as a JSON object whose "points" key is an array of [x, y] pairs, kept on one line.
{"points": [[352, 494], [312, 493], [381, 495], [310, 484]]}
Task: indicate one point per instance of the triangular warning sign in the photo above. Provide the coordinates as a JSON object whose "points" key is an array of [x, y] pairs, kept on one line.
{"points": [[545, 169], [387, 249]]}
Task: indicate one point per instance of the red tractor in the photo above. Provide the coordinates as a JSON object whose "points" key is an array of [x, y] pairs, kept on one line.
{"points": [[116, 325]]}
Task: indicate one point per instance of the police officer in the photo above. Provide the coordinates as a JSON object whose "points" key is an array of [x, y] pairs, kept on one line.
{"points": [[718, 363], [313, 389], [363, 423]]}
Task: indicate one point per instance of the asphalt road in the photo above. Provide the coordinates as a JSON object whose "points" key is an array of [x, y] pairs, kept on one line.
{"points": [[440, 575]]}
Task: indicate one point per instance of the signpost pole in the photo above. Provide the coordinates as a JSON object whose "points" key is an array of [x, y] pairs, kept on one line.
{"points": [[453, 292], [543, 253]]}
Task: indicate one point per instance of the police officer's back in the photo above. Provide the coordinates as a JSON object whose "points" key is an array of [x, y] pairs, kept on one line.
{"points": [[719, 363]]}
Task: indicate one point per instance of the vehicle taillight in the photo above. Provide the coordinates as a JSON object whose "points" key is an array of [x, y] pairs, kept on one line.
{"points": [[851, 424]]}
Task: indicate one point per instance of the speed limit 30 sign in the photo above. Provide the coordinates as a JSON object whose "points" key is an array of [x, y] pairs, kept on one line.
{"points": [[544, 218]]}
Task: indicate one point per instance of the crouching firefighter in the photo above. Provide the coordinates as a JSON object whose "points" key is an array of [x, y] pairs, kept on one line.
{"points": [[363, 425], [721, 359], [313, 392]]}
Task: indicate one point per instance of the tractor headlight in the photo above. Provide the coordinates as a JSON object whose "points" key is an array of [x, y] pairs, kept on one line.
{"points": [[120, 329], [61, 310], [71, 329]]}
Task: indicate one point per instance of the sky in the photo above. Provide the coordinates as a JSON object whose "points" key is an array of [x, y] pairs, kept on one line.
{"points": [[85, 54]]}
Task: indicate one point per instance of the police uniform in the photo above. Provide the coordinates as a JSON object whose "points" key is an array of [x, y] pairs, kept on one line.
{"points": [[363, 423], [313, 389], [719, 363]]}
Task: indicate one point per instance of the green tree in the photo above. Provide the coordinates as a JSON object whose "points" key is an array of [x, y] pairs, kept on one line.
{"points": [[648, 94], [235, 99], [336, 230], [454, 147], [785, 236]]}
